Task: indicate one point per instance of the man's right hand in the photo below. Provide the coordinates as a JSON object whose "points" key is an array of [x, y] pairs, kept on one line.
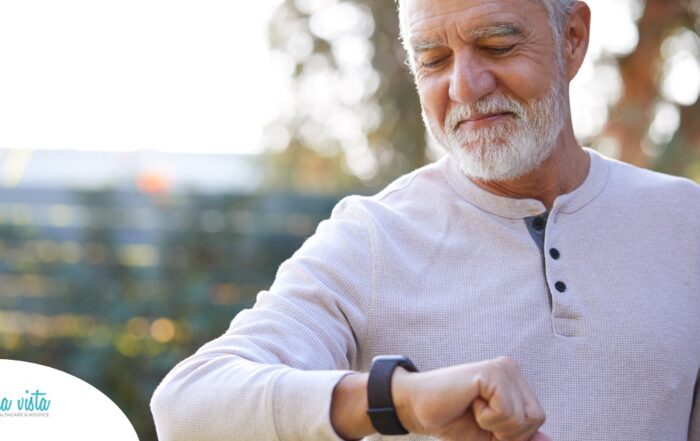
{"points": [[483, 401]]}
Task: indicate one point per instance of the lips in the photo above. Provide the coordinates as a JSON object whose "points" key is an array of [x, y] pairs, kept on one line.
{"points": [[477, 120]]}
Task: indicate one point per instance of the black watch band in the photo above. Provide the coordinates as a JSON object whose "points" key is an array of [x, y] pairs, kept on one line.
{"points": [[381, 409]]}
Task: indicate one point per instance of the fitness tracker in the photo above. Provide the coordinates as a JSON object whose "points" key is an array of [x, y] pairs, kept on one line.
{"points": [[381, 409]]}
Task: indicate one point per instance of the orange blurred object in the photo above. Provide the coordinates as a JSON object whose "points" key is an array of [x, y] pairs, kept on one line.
{"points": [[153, 182]]}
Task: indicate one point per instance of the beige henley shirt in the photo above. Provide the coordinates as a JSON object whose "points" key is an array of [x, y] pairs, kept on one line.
{"points": [[600, 306]]}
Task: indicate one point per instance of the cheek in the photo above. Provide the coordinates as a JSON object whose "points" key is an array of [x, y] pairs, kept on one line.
{"points": [[526, 81], [434, 96]]}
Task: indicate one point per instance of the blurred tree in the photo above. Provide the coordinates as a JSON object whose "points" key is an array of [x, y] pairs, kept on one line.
{"points": [[667, 31], [353, 116]]}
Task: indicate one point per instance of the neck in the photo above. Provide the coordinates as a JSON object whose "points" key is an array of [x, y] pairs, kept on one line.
{"points": [[564, 171]]}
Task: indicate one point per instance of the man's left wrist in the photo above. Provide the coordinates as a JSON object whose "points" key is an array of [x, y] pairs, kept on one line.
{"points": [[380, 393], [401, 394], [348, 410]]}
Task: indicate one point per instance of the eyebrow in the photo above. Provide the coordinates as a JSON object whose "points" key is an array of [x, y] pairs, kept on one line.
{"points": [[490, 31], [497, 30]]}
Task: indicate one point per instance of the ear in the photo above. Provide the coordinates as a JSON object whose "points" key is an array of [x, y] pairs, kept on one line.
{"points": [[575, 38]]}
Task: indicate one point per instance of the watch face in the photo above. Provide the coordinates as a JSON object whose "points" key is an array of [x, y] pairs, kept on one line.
{"points": [[398, 360], [384, 358]]}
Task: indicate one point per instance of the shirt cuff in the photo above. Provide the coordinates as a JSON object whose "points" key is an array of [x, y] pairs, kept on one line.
{"points": [[302, 405]]}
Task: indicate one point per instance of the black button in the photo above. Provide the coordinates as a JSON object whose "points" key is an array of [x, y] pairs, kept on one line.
{"points": [[560, 286], [539, 223], [554, 253]]}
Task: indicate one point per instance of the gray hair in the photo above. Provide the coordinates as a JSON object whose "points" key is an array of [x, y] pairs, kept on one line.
{"points": [[558, 11]]}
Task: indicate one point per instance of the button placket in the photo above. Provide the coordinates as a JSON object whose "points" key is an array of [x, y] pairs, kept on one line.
{"points": [[566, 313], [553, 260]]}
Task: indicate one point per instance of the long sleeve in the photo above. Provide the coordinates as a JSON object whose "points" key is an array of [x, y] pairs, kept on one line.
{"points": [[694, 429], [271, 375]]}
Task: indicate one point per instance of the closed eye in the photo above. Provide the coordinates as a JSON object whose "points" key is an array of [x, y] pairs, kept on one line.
{"points": [[498, 50], [433, 64]]}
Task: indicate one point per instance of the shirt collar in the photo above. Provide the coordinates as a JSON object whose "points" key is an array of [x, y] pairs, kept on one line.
{"points": [[513, 208]]}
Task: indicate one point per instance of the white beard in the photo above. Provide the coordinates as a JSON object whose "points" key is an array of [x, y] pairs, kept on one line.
{"points": [[507, 149]]}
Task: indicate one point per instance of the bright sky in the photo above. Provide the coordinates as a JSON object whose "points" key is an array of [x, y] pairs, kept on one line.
{"points": [[195, 76], [173, 75]]}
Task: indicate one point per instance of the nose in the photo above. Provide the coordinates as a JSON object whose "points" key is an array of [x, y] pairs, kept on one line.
{"points": [[471, 78]]}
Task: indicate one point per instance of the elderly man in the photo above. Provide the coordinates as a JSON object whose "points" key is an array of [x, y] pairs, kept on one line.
{"points": [[520, 276]]}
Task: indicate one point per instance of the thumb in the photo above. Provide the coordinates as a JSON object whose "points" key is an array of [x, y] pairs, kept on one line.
{"points": [[539, 436], [483, 413], [479, 406]]}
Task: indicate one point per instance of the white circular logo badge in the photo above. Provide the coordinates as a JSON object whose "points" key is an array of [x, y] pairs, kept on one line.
{"points": [[39, 402]]}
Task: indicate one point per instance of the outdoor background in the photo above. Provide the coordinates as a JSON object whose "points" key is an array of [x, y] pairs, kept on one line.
{"points": [[160, 159]]}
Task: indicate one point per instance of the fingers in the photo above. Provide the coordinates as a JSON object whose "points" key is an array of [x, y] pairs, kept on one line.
{"points": [[539, 436], [464, 429], [480, 406], [507, 407], [487, 401]]}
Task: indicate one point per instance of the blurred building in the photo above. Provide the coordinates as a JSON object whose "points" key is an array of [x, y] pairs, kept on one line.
{"points": [[78, 169]]}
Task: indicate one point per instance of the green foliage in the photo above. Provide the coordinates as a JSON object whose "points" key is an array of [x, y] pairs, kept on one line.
{"points": [[132, 284]]}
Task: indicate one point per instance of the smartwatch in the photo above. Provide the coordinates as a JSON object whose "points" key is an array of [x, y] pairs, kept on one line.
{"points": [[380, 409]]}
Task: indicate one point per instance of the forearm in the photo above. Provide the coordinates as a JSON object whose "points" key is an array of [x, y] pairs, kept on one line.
{"points": [[209, 398], [349, 404], [226, 397], [349, 407]]}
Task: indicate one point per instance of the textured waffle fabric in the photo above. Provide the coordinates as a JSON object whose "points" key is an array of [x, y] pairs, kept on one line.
{"points": [[606, 329]]}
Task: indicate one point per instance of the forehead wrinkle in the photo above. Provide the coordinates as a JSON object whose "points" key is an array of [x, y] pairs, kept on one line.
{"points": [[410, 17], [502, 29], [428, 13], [422, 44]]}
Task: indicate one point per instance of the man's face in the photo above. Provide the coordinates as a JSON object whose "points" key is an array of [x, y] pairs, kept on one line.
{"points": [[490, 80]]}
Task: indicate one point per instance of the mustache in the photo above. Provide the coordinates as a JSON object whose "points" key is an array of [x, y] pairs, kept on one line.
{"points": [[490, 105]]}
